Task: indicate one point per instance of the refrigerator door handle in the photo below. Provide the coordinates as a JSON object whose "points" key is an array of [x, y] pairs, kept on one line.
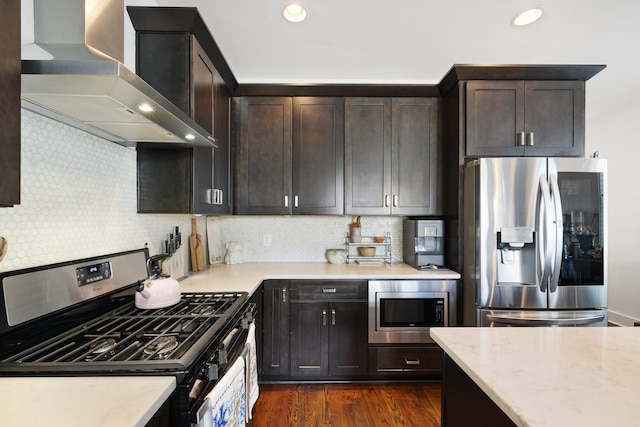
{"points": [[544, 229], [506, 319], [557, 230]]}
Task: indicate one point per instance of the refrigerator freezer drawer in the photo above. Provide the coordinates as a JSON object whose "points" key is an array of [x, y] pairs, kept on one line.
{"points": [[542, 318]]}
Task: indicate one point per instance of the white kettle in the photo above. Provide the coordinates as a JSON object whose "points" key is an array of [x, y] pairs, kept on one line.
{"points": [[158, 291]]}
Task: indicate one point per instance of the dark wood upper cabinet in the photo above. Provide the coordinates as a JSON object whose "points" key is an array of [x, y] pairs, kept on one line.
{"points": [[174, 52], [391, 156], [290, 155], [10, 103], [318, 156], [525, 118]]}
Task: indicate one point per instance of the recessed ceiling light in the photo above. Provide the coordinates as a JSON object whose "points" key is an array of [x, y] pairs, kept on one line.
{"points": [[295, 12], [147, 108], [527, 17]]}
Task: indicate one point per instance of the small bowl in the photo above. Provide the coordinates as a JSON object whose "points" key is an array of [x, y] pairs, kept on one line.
{"points": [[336, 256], [367, 251], [379, 239]]}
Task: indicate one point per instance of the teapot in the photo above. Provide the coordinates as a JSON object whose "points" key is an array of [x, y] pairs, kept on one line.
{"points": [[159, 290]]}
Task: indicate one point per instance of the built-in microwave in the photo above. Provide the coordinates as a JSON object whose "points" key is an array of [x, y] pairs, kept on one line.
{"points": [[403, 311]]}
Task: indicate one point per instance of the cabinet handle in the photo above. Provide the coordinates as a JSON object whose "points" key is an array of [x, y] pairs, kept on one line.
{"points": [[284, 295], [329, 290], [217, 196], [520, 139], [286, 201], [530, 139], [333, 317], [411, 362], [395, 200], [324, 317], [386, 200], [295, 201]]}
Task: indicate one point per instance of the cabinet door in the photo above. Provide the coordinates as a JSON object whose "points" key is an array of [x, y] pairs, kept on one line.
{"points": [[414, 156], [309, 339], [347, 339], [367, 156], [210, 106], [264, 180], [276, 318], [554, 114], [494, 118], [10, 104], [318, 156]]}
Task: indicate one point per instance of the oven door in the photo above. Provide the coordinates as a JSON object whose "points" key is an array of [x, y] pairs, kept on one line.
{"points": [[403, 312]]}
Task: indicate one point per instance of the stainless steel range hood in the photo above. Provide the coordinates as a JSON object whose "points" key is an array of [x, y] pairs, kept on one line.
{"points": [[74, 73]]}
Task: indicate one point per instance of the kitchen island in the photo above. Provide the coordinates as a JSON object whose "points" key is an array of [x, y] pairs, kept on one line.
{"points": [[545, 377], [248, 276]]}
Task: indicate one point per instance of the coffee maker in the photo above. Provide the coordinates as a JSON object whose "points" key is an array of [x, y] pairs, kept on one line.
{"points": [[423, 243]]}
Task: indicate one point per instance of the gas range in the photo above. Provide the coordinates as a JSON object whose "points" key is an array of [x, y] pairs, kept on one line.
{"points": [[126, 338], [65, 320]]}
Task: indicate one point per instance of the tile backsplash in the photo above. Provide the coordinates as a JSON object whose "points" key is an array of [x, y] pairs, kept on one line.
{"points": [[78, 199]]}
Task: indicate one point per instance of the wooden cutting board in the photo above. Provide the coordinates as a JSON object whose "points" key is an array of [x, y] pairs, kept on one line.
{"points": [[4, 247], [196, 248]]}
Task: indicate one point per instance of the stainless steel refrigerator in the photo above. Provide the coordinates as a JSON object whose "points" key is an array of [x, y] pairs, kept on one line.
{"points": [[535, 248]]}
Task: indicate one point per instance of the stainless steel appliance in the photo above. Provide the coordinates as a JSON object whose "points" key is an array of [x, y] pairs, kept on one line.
{"points": [[79, 318], [73, 72], [402, 311], [535, 249], [423, 243]]}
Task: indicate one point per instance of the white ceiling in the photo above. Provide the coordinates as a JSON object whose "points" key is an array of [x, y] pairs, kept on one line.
{"points": [[417, 41]]}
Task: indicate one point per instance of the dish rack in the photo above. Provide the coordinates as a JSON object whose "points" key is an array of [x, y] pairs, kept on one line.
{"points": [[383, 250]]}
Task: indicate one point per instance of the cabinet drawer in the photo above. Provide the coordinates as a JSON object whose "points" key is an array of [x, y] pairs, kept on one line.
{"points": [[409, 360], [328, 289]]}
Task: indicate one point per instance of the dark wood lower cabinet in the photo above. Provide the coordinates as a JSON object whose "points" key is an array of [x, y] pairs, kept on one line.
{"points": [[409, 362], [328, 340], [464, 403]]}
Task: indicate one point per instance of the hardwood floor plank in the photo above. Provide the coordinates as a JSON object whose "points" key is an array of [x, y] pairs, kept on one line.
{"points": [[348, 405]]}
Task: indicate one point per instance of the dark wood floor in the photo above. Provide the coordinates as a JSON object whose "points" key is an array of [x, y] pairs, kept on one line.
{"points": [[397, 404]]}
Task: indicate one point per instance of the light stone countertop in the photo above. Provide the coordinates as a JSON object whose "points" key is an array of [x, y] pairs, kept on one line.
{"points": [[132, 401], [248, 276], [82, 401], [553, 377]]}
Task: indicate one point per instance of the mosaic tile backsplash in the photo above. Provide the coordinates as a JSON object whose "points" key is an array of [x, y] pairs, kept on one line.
{"points": [[79, 200]]}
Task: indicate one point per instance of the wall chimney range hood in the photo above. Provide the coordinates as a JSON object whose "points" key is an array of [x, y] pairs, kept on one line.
{"points": [[74, 73]]}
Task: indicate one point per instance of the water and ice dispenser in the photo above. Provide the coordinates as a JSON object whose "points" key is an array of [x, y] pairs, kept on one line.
{"points": [[516, 256]]}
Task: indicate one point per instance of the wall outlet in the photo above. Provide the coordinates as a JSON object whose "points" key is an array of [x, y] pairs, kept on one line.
{"points": [[266, 240]]}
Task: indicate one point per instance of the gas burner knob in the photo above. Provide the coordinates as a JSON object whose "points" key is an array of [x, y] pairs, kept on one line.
{"points": [[222, 356]]}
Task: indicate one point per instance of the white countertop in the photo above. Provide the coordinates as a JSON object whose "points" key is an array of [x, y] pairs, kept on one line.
{"points": [[551, 377], [248, 276], [132, 401], [82, 401]]}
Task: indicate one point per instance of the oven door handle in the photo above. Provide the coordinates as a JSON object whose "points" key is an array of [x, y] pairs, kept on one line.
{"points": [[203, 413]]}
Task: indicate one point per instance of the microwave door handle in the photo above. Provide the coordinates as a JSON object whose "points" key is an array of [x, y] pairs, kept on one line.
{"points": [[544, 249], [558, 227]]}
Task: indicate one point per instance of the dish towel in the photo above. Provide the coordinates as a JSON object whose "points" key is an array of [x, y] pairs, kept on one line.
{"points": [[251, 363], [228, 397]]}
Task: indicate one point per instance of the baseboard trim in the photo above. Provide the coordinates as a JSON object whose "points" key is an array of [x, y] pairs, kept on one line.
{"points": [[620, 319]]}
